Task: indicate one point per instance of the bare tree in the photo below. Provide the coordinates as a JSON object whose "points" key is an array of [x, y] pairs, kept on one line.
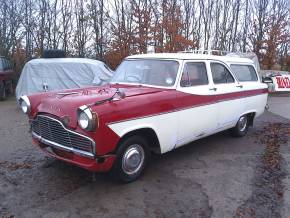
{"points": [[10, 24], [66, 20], [112, 30], [98, 16], [82, 27]]}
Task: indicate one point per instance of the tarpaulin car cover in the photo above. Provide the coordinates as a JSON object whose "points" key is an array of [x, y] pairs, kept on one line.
{"points": [[40, 75]]}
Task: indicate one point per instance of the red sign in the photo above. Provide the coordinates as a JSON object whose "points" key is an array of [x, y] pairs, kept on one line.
{"points": [[282, 83]]}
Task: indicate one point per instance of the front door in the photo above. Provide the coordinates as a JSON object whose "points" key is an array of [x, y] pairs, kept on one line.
{"points": [[197, 115]]}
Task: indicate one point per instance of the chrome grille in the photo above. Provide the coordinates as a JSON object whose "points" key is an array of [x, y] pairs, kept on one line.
{"points": [[53, 130]]}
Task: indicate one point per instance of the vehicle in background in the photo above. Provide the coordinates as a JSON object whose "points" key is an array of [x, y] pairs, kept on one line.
{"points": [[54, 74], [6, 78], [277, 81], [153, 103]]}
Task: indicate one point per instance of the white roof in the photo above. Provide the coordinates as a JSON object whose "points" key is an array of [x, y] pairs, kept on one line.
{"points": [[190, 56]]}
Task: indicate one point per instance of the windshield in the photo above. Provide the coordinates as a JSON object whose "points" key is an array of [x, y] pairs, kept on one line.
{"points": [[147, 72]]}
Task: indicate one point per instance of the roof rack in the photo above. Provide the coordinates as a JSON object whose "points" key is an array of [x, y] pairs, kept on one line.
{"points": [[208, 52], [217, 52]]}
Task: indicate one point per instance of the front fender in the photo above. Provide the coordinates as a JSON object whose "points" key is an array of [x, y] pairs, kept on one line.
{"points": [[164, 125]]}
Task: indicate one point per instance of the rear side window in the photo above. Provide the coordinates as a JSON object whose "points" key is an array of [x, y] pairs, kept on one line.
{"points": [[8, 65], [5, 64], [1, 64], [244, 73], [194, 74], [221, 74]]}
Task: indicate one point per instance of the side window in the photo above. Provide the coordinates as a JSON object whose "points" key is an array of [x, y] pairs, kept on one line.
{"points": [[1, 64], [5, 64], [9, 65], [221, 74], [244, 73], [194, 74]]}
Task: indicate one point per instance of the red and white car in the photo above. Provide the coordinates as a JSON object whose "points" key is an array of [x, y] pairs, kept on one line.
{"points": [[154, 103]]}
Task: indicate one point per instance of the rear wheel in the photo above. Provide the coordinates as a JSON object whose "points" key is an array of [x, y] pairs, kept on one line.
{"points": [[2, 91], [132, 158], [241, 127]]}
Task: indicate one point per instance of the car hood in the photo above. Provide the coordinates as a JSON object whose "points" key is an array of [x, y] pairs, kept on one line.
{"points": [[66, 103]]}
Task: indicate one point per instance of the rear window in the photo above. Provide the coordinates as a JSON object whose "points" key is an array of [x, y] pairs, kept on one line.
{"points": [[244, 73]]}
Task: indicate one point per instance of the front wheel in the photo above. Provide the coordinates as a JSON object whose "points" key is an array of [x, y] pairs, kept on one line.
{"points": [[132, 158], [241, 127]]}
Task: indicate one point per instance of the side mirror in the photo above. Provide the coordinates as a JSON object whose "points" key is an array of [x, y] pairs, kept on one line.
{"points": [[266, 79]]}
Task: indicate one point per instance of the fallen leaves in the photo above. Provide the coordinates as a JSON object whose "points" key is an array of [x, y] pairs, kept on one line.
{"points": [[274, 135], [268, 189], [15, 166]]}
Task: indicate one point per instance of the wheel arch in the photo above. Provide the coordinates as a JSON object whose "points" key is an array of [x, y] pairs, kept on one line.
{"points": [[148, 133], [251, 115]]}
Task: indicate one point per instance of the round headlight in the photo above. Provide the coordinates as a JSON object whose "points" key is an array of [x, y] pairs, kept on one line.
{"points": [[84, 120], [25, 104], [87, 119]]}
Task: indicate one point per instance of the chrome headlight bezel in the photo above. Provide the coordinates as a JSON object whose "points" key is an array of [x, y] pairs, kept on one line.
{"points": [[92, 118], [25, 104]]}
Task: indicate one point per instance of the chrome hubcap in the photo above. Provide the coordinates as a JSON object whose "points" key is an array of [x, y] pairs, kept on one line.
{"points": [[133, 159], [242, 123]]}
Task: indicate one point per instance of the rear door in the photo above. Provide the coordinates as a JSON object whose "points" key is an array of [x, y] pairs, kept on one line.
{"points": [[249, 80], [228, 92], [197, 116]]}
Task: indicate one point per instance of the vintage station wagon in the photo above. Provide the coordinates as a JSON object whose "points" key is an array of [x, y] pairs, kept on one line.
{"points": [[153, 103]]}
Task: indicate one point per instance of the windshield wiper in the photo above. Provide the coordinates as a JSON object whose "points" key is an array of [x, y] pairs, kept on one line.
{"points": [[118, 95]]}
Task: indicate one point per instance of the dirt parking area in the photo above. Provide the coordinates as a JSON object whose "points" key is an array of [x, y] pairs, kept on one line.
{"points": [[219, 176]]}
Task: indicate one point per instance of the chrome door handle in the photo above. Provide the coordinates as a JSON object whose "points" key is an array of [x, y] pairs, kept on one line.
{"points": [[213, 89], [239, 86]]}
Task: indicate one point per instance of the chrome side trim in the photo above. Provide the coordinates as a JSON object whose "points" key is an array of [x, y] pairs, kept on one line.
{"points": [[45, 141], [54, 144]]}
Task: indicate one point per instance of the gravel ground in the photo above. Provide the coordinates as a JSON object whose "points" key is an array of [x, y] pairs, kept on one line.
{"points": [[218, 176]]}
